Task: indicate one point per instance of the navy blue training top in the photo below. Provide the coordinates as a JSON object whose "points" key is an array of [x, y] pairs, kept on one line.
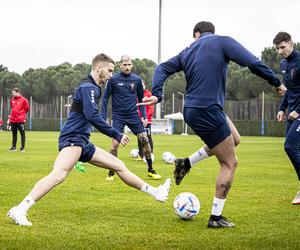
{"points": [[290, 68], [126, 90], [205, 64], [87, 96]]}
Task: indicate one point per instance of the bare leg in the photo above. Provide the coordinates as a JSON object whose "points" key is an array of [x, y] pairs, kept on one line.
{"points": [[104, 159], [225, 153], [114, 152], [63, 164], [143, 138]]}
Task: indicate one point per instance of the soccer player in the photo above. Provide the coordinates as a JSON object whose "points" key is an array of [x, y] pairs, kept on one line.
{"points": [[74, 144], [149, 114], [290, 68], [126, 89], [205, 64], [19, 107]]}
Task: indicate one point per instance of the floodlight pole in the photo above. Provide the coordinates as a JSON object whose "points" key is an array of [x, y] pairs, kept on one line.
{"points": [[159, 106], [263, 114]]}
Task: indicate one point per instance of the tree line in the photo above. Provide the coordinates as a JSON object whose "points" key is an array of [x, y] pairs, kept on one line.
{"points": [[44, 84]]}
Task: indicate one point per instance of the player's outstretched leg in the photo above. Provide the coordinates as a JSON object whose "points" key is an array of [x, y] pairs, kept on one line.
{"points": [[104, 159], [64, 163]]}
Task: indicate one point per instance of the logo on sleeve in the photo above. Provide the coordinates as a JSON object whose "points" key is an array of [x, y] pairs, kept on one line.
{"points": [[92, 96]]}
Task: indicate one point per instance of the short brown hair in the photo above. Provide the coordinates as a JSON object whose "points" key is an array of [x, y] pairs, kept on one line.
{"points": [[282, 37], [102, 58]]}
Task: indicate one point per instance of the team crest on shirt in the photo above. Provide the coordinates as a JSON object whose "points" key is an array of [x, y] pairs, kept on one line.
{"points": [[132, 85]]}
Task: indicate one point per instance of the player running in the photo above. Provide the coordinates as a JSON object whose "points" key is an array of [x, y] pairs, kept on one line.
{"points": [[74, 144]]}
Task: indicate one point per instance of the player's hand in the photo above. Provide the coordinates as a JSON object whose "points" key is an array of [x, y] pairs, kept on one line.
{"points": [[148, 101], [280, 90], [293, 115], [145, 122], [280, 116], [125, 140]]}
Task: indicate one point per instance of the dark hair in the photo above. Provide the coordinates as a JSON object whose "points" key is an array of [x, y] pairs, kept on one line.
{"points": [[202, 27], [102, 58], [16, 90], [282, 37]]}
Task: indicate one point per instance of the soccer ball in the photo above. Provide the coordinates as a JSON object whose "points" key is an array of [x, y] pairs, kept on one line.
{"points": [[152, 157], [186, 205], [134, 153], [168, 157]]}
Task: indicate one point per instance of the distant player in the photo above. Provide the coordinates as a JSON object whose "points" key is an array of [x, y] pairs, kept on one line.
{"points": [[290, 68], [126, 89], [205, 64], [74, 144]]}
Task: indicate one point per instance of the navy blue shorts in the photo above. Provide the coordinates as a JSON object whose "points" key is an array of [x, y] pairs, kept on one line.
{"points": [[209, 124], [134, 124], [88, 149]]}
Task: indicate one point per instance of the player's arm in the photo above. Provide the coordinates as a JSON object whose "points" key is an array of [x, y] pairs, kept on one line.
{"points": [[237, 53], [140, 96], [283, 106], [161, 73], [107, 93], [91, 112]]}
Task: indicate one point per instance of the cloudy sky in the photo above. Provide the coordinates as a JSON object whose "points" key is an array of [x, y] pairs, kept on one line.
{"points": [[41, 33]]}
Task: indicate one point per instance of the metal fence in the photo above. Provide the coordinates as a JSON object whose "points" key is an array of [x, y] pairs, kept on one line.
{"points": [[51, 116]]}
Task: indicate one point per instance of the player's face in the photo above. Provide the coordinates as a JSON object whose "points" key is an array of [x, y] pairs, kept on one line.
{"points": [[105, 72], [126, 66], [284, 49], [14, 93]]}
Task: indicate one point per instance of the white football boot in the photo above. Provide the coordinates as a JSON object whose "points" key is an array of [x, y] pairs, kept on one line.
{"points": [[163, 191], [296, 201], [19, 217]]}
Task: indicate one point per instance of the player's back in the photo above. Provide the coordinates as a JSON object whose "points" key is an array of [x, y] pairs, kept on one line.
{"points": [[205, 66]]}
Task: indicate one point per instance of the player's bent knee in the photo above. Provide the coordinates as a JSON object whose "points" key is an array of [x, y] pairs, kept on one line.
{"points": [[120, 166], [237, 141]]}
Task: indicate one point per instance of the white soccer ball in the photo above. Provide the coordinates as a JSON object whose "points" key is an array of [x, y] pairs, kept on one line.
{"points": [[152, 157], [134, 153], [186, 205], [168, 157]]}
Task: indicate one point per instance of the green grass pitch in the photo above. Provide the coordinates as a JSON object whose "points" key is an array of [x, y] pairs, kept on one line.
{"points": [[87, 212]]}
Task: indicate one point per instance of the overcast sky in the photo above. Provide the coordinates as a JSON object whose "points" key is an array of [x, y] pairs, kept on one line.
{"points": [[42, 33]]}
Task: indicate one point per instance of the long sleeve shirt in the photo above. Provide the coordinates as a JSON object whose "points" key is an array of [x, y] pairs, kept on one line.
{"points": [[290, 68], [126, 90], [86, 99], [205, 64]]}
